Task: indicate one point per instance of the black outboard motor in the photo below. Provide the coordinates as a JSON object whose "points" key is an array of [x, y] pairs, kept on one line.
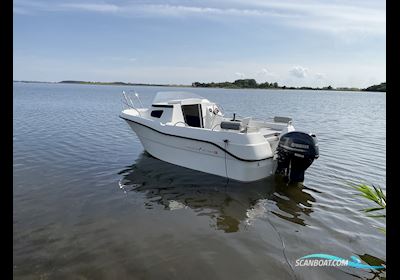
{"points": [[296, 152]]}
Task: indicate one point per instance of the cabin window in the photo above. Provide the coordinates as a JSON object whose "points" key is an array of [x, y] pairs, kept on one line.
{"points": [[193, 115], [156, 113]]}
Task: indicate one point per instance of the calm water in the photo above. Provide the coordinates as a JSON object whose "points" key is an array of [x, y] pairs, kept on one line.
{"points": [[90, 204]]}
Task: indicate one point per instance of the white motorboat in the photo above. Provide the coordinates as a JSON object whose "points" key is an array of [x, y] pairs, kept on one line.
{"points": [[188, 130]]}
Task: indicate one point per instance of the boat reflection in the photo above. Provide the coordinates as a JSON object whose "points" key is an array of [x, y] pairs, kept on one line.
{"points": [[293, 202], [228, 203]]}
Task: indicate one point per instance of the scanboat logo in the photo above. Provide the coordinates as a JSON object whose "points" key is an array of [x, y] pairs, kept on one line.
{"points": [[330, 260]]}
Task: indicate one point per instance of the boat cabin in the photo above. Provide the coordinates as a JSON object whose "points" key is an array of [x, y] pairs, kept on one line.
{"points": [[184, 109]]}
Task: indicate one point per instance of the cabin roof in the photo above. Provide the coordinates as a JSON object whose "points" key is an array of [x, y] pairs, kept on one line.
{"points": [[177, 97]]}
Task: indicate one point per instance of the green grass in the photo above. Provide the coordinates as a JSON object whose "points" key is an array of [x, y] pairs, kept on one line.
{"points": [[375, 195]]}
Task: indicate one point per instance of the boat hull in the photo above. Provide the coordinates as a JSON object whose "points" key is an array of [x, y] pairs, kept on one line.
{"points": [[201, 155]]}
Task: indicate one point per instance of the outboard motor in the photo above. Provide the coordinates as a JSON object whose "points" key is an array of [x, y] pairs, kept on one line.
{"points": [[296, 152]]}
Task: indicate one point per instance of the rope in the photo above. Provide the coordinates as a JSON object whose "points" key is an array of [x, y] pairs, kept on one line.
{"points": [[280, 237], [226, 168], [283, 245]]}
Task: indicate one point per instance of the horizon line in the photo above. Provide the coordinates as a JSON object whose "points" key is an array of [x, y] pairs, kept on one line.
{"points": [[171, 84]]}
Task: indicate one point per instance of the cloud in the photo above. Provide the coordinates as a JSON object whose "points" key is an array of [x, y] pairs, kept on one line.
{"points": [[265, 73], [320, 76], [91, 7], [183, 10], [240, 75], [334, 17], [299, 72], [149, 9]]}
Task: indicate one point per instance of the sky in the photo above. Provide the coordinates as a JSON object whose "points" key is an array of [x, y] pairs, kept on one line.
{"points": [[340, 43]]}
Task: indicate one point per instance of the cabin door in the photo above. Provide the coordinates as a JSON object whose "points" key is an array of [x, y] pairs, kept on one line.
{"points": [[193, 115]]}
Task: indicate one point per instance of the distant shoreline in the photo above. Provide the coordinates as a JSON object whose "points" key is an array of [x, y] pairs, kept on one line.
{"points": [[103, 83], [238, 84]]}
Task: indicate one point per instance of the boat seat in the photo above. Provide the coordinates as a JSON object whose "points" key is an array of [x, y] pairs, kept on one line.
{"points": [[282, 119], [236, 125], [231, 125]]}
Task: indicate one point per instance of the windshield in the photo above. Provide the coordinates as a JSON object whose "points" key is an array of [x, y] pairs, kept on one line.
{"points": [[165, 96]]}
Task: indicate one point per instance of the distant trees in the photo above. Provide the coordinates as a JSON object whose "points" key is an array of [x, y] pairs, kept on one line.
{"points": [[251, 83], [241, 83], [380, 87], [221, 85], [246, 83]]}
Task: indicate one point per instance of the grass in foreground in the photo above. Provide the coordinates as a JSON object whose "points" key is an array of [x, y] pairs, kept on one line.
{"points": [[376, 195]]}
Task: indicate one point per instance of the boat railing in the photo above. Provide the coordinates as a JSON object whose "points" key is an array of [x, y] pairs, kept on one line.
{"points": [[218, 124], [127, 102]]}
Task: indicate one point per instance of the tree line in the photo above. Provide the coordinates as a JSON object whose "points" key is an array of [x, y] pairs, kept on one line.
{"points": [[252, 83], [241, 83]]}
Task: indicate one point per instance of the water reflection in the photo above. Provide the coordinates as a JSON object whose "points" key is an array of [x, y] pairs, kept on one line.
{"points": [[294, 202], [228, 203]]}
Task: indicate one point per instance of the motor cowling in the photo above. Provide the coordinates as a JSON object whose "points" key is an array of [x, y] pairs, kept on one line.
{"points": [[296, 151]]}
